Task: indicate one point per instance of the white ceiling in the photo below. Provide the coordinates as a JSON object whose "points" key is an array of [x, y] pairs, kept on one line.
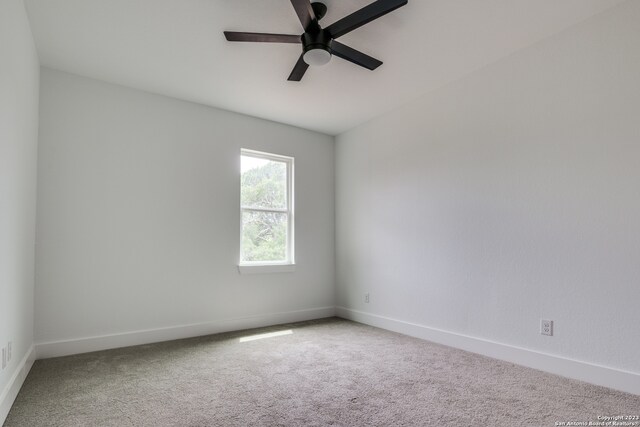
{"points": [[176, 48]]}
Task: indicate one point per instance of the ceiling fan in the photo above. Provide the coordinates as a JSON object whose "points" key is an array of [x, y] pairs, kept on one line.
{"points": [[319, 44]]}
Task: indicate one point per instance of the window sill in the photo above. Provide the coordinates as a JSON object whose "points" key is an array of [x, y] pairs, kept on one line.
{"points": [[266, 268]]}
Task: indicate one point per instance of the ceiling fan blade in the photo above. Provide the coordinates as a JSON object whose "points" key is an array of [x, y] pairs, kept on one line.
{"points": [[345, 52], [365, 15], [306, 14], [234, 36], [299, 70]]}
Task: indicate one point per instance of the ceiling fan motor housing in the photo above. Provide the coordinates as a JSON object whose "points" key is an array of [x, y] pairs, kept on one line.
{"points": [[316, 47]]}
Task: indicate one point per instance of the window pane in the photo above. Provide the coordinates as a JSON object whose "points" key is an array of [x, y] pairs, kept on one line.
{"points": [[264, 236], [264, 183]]}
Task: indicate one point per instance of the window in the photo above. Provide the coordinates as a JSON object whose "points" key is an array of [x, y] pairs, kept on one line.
{"points": [[266, 198]]}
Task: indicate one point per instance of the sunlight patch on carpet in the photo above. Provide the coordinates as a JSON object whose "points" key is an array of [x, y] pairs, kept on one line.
{"points": [[268, 335]]}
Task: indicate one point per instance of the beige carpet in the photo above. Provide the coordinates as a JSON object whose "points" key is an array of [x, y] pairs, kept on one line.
{"points": [[326, 372]]}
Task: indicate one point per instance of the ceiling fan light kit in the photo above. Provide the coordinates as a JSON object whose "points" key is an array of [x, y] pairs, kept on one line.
{"points": [[317, 57], [319, 44], [316, 48]]}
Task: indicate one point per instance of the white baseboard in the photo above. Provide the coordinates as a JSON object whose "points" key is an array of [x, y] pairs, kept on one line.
{"points": [[46, 350], [8, 395], [575, 369]]}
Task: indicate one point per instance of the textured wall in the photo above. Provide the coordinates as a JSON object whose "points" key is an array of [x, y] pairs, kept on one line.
{"points": [[508, 196], [138, 213], [19, 71]]}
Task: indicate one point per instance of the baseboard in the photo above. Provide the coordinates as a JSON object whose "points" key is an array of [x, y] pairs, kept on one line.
{"points": [[46, 350], [8, 395], [595, 374]]}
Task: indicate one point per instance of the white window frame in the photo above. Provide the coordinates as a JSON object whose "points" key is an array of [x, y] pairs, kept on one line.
{"points": [[288, 265]]}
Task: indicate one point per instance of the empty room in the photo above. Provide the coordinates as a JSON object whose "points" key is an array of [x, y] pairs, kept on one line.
{"points": [[312, 213]]}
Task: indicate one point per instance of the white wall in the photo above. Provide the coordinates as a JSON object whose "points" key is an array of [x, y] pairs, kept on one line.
{"points": [[506, 197], [138, 216], [19, 70]]}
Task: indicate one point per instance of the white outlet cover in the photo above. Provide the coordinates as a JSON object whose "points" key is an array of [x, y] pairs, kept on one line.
{"points": [[4, 357], [546, 327], [9, 351]]}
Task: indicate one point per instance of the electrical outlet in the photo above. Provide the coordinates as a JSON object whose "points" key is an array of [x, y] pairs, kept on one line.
{"points": [[546, 327], [4, 357], [9, 351], [366, 297]]}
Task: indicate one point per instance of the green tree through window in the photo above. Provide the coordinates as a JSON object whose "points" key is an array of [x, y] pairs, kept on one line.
{"points": [[266, 213]]}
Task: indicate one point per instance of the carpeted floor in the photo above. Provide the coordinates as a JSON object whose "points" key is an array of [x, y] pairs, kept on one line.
{"points": [[326, 372]]}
